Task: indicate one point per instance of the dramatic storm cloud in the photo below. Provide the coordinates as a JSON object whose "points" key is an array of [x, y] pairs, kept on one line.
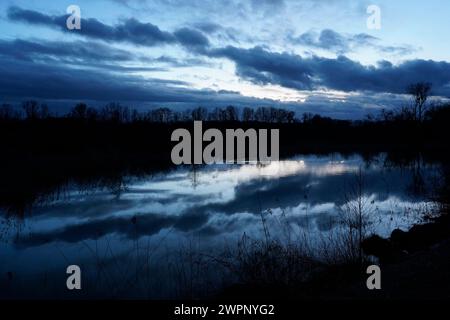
{"points": [[130, 30], [293, 71]]}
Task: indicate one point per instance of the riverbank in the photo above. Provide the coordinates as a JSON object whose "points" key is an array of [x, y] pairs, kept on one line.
{"points": [[414, 265]]}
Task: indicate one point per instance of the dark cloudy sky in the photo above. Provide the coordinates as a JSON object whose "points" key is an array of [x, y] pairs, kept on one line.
{"points": [[306, 55]]}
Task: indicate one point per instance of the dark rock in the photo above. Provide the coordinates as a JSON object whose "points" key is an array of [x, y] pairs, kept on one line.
{"points": [[379, 247]]}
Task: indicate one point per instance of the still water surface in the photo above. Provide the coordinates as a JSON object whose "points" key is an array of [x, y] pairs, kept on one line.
{"points": [[133, 239]]}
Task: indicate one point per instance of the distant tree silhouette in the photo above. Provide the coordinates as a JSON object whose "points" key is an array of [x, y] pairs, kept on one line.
{"points": [[262, 114], [33, 110], [217, 114], [162, 115], [114, 112], [248, 114], [199, 114], [282, 116], [420, 92], [290, 117], [79, 111], [231, 114], [387, 115], [44, 112], [420, 111], [136, 116], [92, 114], [306, 117], [8, 113]]}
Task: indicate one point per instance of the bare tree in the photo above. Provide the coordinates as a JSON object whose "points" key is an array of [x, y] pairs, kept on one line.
{"points": [[31, 109], [92, 114], [290, 117], [199, 114], [231, 113], [79, 111], [135, 116], [8, 113], [44, 112], [114, 112], [420, 92], [307, 117], [248, 114], [161, 115], [356, 217]]}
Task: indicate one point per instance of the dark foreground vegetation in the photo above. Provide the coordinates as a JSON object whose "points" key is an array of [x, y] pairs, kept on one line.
{"points": [[415, 265]]}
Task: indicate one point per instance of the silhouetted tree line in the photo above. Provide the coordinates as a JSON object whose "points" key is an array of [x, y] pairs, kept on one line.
{"points": [[115, 112], [418, 111]]}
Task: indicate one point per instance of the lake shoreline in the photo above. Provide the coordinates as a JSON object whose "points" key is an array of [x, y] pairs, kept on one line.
{"points": [[422, 272]]}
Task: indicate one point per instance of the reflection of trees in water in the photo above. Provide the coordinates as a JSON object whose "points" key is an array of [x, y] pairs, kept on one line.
{"points": [[11, 228], [425, 172], [442, 189], [21, 190], [193, 176], [18, 199], [117, 186], [418, 186]]}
